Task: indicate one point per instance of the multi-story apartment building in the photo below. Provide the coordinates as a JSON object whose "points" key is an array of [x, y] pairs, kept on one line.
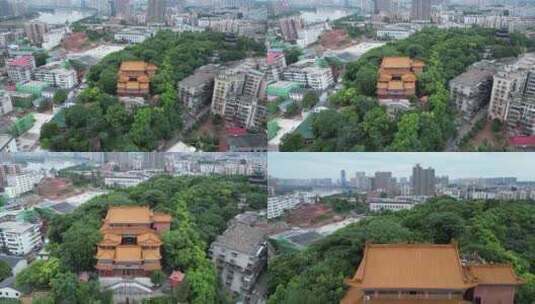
{"points": [[36, 32], [421, 10], [276, 62], [55, 74], [237, 97], [308, 74], [156, 11], [471, 91], [20, 238], [507, 82], [131, 242], [423, 181], [20, 183], [20, 69], [521, 109], [240, 256], [196, 91]]}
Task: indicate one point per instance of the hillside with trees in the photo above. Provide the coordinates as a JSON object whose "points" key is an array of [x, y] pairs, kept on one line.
{"points": [[200, 207], [493, 231], [99, 122], [359, 123]]}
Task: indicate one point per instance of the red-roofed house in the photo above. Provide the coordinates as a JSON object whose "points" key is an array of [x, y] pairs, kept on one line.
{"points": [[523, 142], [20, 69], [176, 278]]}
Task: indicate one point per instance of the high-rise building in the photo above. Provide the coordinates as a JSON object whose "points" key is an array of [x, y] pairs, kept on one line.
{"points": [[421, 10], [383, 6], [36, 31], [383, 182], [343, 179], [423, 181], [156, 11]]}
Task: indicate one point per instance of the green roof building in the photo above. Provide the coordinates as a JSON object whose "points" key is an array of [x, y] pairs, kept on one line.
{"points": [[32, 87], [281, 89]]}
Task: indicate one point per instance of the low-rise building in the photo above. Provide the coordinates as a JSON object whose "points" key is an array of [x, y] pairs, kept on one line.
{"points": [[134, 34], [240, 256], [131, 241], [450, 280], [134, 77], [395, 32], [8, 143], [397, 79], [20, 238]]}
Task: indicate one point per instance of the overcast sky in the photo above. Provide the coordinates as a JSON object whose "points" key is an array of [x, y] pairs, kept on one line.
{"points": [[455, 165]]}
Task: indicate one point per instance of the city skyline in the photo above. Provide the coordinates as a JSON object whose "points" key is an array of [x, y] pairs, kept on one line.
{"points": [[454, 165]]}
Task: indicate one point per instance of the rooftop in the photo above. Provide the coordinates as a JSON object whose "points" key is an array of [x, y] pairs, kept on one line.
{"points": [[396, 62], [128, 214], [421, 266], [242, 237], [473, 77], [494, 274]]}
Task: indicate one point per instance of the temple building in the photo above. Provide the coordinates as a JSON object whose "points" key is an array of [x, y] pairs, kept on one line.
{"points": [[133, 78], [397, 78], [130, 245], [430, 274]]}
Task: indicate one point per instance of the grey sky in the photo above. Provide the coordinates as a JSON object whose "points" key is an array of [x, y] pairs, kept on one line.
{"points": [[455, 165]]}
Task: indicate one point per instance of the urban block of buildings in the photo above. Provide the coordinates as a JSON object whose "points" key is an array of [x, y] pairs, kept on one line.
{"points": [[133, 78], [131, 241], [423, 272], [309, 74]]}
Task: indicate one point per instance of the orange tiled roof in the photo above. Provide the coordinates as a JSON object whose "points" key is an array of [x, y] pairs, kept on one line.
{"points": [[110, 239], [410, 266], [418, 63], [105, 254], [148, 239], [395, 85], [410, 77], [151, 266], [151, 254], [396, 62], [128, 254], [161, 217], [494, 274], [133, 66], [128, 215]]}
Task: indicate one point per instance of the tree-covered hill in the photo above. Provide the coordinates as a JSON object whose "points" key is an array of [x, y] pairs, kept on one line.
{"points": [[98, 122], [495, 231], [200, 207], [359, 123]]}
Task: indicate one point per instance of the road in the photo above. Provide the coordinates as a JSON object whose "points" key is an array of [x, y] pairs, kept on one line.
{"points": [[463, 129]]}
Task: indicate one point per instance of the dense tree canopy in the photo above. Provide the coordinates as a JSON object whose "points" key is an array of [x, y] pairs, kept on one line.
{"points": [[496, 231], [428, 125], [99, 122]]}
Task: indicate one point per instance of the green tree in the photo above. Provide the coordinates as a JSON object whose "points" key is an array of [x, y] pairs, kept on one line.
{"points": [[63, 288], [292, 54], [445, 226], [5, 270], [60, 96], [78, 249], [157, 277], [292, 142], [310, 99]]}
